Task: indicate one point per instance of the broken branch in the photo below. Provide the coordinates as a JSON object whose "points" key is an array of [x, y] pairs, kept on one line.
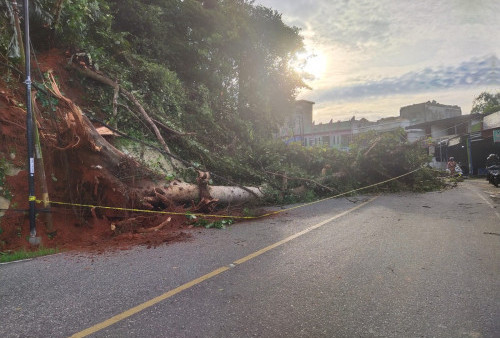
{"points": [[156, 228], [105, 80]]}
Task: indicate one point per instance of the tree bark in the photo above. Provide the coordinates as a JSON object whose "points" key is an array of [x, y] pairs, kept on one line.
{"points": [[105, 80], [57, 12], [182, 192], [116, 92], [97, 177], [19, 35]]}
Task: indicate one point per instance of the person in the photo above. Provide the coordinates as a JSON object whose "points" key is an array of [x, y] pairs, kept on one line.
{"points": [[451, 165]]}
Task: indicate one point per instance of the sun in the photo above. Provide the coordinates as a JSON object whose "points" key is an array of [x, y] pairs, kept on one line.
{"points": [[311, 65], [316, 65]]}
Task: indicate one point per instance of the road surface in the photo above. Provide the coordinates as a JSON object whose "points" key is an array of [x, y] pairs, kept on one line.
{"points": [[398, 265]]}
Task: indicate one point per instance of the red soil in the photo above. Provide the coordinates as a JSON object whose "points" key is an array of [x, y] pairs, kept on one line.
{"points": [[74, 228]]}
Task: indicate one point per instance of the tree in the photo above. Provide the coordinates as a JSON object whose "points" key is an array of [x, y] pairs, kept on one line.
{"points": [[267, 85], [218, 70], [486, 103]]}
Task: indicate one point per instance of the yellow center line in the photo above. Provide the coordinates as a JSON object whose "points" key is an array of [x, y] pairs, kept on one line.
{"points": [[166, 295]]}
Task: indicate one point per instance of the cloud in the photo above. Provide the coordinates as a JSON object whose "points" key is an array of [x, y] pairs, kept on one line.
{"points": [[404, 32], [476, 72], [376, 108], [381, 55]]}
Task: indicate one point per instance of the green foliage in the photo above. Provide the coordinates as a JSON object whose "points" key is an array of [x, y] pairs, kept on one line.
{"points": [[8, 43], [486, 103], [233, 53], [221, 224], [47, 101], [247, 212], [372, 158], [84, 21], [208, 224], [220, 71], [4, 191], [426, 179], [160, 88], [169, 177], [23, 254]]}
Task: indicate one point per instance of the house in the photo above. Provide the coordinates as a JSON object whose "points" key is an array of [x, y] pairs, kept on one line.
{"points": [[301, 128], [468, 138], [487, 141], [428, 111], [443, 135]]}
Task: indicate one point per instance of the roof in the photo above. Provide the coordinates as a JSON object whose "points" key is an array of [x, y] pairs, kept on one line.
{"points": [[431, 103], [449, 120], [305, 101]]}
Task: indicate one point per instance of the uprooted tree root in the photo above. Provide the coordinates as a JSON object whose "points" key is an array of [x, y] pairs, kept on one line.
{"points": [[90, 177]]}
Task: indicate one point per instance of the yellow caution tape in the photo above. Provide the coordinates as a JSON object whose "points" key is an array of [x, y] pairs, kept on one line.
{"points": [[32, 198], [227, 216]]}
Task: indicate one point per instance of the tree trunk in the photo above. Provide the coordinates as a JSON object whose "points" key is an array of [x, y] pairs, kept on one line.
{"points": [[184, 192], [101, 175], [105, 80], [19, 34], [57, 13]]}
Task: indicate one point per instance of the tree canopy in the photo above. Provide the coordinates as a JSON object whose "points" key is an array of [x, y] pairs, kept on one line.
{"points": [[219, 71], [486, 103]]}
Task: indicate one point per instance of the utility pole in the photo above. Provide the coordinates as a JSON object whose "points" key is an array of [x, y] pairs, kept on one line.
{"points": [[29, 129], [469, 155]]}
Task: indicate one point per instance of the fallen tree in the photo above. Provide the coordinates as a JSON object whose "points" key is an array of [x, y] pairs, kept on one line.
{"points": [[97, 173]]}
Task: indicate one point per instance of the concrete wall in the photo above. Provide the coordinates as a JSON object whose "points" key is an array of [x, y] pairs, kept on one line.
{"points": [[303, 113], [415, 134], [429, 111], [438, 131], [299, 123], [492, 121]]}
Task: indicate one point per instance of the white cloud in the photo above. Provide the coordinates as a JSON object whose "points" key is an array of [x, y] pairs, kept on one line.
{"points": [[378, 50], [473, 73]]}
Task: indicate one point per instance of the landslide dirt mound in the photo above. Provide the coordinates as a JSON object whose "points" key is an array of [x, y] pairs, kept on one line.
{"points": [[71, 178]]}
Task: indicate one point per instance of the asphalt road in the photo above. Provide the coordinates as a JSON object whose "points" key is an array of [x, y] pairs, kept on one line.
{"points": [[401, 265]]}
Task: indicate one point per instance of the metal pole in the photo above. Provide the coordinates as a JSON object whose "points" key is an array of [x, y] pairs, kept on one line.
{"points": [[469, 155], [29, 127]]}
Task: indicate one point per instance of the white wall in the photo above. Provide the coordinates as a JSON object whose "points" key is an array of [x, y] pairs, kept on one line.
{"points": [[492, 121], [415, 134], [438, 131]]}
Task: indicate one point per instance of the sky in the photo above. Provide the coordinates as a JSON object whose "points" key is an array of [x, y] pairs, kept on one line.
{"points": [[368, 58]]}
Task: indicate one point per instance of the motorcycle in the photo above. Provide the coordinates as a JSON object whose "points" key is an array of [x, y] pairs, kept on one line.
{"points": [[493, 170], [493, 174]]}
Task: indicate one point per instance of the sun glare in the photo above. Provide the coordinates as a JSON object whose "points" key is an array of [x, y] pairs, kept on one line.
{"points": [[315, 65]]}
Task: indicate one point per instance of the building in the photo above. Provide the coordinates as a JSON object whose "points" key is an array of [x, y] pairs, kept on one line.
{"points": [[428, 111], [468, 138], [301, 128], [383, 125], [441, 136], [299, 124]]}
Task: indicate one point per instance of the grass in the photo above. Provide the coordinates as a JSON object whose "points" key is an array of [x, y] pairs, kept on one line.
{"points": [[23, 254]]}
